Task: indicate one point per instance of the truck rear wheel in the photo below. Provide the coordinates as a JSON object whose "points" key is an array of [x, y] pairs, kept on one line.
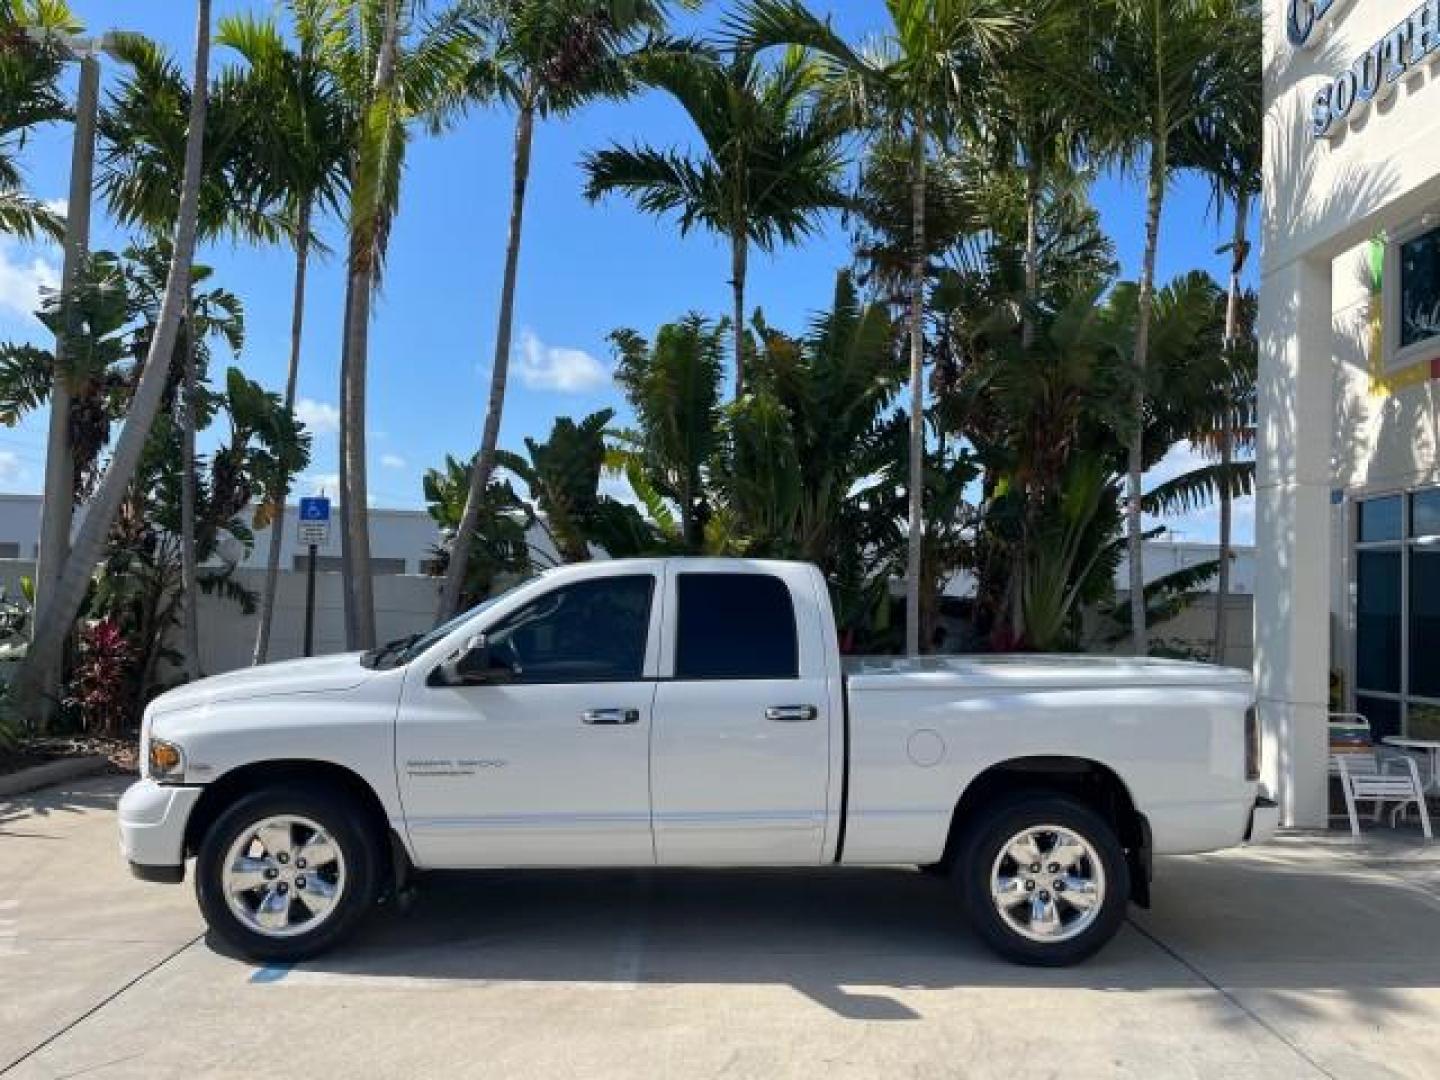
{"points": [[283, 875], [1044, 880]]}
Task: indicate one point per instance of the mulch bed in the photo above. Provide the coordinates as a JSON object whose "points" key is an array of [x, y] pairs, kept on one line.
{"points": [[122, 753]]}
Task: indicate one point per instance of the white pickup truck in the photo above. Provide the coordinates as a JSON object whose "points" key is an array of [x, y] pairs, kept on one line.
{"points": [[688, 712]]}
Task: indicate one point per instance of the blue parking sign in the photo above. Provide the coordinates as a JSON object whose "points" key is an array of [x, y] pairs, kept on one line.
{"points": [[314, 520]]}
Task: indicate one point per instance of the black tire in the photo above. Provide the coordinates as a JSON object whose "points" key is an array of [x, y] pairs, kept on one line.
{"points": [[977, 862], [349, 830]]}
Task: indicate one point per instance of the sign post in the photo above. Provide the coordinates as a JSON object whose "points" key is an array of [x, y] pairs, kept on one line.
{"points": [[314, 531]]}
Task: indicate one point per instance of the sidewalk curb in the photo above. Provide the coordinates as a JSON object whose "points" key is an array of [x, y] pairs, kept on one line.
{"points": [[52, 772]]}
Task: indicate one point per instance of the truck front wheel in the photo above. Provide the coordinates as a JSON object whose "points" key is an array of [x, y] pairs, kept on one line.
{"points": [[283, 875], [1044, 880]]}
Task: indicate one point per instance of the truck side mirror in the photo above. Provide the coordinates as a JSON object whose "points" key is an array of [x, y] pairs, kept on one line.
{"points": [[471, 666]]}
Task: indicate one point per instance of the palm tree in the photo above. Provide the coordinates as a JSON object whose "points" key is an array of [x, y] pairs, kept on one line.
{"points": [[29, 97], [542, 58], [1157, 73], [771, 165], [913, 85], [143, 129], [1031, 127], [298, 161], [673, 387], [74, 578], [395, 71], [1226, 144]]}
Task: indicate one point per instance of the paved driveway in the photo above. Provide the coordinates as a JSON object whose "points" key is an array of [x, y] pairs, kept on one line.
{"points": [[1308, 958]]}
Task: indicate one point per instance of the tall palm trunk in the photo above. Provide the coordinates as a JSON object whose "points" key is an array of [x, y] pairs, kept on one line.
{"points": [[359, 590], [1032, 246], [917, 390], [1140, 641], [346, 567], [189, 572], [484, 463], [292, 377], [1239, 252], [368, 229], [739, 264], [74, 578], [58, 506]]}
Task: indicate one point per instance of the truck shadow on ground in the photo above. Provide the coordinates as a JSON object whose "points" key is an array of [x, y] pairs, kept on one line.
{"points": [[845, 937]]}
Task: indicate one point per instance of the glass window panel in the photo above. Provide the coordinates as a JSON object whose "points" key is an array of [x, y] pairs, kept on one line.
{"points": [[1380, 519], [1420, 288], [1423, 721], [1377, 621], [1425, 622], [1383, 714], [1425, 513], [735, 626], [589, 631]]}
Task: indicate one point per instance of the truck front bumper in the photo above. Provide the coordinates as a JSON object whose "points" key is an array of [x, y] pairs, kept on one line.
{"points": [[1264, 820], [152, 829]]}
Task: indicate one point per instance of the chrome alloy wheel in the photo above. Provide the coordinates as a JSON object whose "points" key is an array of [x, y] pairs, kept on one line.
{"points": [[283, 876], [1047, 883]]}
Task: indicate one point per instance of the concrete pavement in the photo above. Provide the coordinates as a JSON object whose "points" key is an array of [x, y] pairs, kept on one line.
{"points": [[1310, 957]]}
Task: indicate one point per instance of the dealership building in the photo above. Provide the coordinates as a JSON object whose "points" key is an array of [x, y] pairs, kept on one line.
{"points": [[1347, 602]]}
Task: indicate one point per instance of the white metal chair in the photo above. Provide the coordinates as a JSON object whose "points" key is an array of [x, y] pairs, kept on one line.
{"points": [[1394, 779]]}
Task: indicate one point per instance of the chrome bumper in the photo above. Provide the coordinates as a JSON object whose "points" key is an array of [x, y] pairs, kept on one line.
{"points": [[152, 821]]}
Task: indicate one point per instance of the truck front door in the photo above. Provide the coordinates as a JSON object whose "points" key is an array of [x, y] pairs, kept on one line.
{"points": [[548, 765]]}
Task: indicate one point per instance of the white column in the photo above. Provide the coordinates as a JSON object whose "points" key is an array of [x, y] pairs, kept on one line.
{"points": [[1293, 559]]}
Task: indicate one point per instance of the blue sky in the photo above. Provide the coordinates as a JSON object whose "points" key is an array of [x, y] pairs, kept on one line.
{"points": [[584, 271]]}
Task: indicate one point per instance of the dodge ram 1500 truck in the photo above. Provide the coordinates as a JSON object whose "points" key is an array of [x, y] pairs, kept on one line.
{"points": [[697, 713]]}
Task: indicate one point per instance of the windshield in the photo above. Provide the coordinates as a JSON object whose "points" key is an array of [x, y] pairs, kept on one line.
{"points": [[403, 650]]}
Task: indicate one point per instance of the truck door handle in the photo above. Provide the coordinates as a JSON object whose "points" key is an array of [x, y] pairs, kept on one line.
{"points": [[791, 714], [611, 716]]}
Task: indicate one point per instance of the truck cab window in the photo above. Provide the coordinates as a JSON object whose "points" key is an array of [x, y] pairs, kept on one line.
{"points": [[735, 626], [588, 631]]}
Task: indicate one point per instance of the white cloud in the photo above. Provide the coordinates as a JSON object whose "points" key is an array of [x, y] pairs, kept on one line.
{"points": [[552, 367], [392, 461], [11, 470], [1201, 525], [322, 484], [319, 416], [22, 276]]}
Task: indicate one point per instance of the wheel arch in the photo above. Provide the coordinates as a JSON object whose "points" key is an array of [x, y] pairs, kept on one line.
{"points": [[222, 792], [1086, 780]]}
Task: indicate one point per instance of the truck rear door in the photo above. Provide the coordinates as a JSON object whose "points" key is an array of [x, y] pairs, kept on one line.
{"points": [[740, 755]]}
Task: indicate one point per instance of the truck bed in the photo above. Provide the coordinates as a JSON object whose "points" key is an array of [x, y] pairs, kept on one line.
{"points": [[1033, 672]]}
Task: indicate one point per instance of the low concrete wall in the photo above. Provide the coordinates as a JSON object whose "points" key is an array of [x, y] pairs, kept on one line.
{"points": [[1193, 631], [404, 604]]}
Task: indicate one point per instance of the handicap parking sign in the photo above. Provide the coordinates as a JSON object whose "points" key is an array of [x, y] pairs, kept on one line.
{"points": [[314, 520]]}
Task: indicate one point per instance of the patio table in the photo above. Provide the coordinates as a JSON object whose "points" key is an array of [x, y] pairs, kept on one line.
{"points": [[1425, 746]]}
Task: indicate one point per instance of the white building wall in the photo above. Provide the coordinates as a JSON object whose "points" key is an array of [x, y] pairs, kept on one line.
{"points": [[1335, 420]]}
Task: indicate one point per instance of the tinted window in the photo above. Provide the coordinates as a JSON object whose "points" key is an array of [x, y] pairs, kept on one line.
{"points": [[735, 626], [590, 631], [1377, 621], [1383, 714], [1425, 513], [1380, 519], [1425, 622]]}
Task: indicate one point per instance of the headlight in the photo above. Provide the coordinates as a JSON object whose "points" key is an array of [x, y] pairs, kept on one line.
{"points": [[166, 761]]}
